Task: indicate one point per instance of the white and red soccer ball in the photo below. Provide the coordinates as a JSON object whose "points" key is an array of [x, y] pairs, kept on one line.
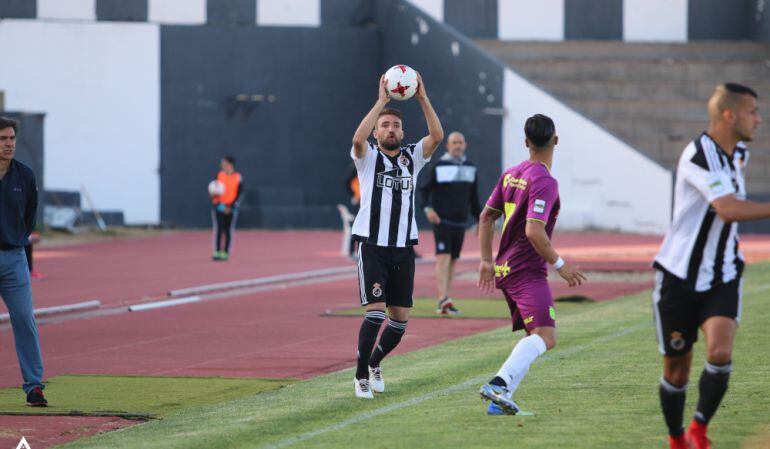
{"points": [[401, 82], [216, 188]]}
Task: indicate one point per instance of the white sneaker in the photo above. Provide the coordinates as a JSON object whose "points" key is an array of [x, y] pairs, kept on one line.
{"points": [[375, 380], [362, 389]]}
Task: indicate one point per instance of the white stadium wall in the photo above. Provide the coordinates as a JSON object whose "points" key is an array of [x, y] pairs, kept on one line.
{"points": [[434, 8], [66, 10], [655, 20], [541, 20], [177, 12], [603, 182], [98, 84], [289, 13]]}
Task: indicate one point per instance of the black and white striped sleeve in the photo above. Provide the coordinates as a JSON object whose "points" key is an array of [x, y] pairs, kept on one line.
{"points": [[702, 167]]}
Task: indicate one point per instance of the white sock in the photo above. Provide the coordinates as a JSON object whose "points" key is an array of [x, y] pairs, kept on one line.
{"points": [[516, 366]]}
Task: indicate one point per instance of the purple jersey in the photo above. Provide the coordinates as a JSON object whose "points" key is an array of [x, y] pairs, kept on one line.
{"points": [[524, 192]]}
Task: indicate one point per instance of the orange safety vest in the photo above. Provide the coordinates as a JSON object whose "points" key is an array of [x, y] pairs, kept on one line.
{"points": [[355, 187], [231, 183]]}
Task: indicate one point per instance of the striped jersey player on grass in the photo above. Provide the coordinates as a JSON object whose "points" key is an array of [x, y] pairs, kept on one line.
{"points": [[699, 266], [386, 228], [528, 198]]}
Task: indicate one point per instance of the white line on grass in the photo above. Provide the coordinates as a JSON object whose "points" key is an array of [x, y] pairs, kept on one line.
{"points": [[476, 381]]}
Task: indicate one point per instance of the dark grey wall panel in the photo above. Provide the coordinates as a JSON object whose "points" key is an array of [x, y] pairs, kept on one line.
{"points": [[719, 19], [474, 18], [294, 152], [593, 19], [29, 148], [452, 84], [18, 9], [122, 10], [759, 17], [347, 12], [231, 11]]}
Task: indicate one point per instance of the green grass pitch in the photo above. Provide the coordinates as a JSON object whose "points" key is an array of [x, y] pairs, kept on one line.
{"points": [[597, 389]]}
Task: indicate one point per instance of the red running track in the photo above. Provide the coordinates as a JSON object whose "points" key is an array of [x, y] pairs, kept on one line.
{"points": [[120, 272], [279, 333]]}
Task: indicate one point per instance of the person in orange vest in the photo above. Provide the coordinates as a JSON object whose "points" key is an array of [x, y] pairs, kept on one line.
{"points": [[225, 210]]}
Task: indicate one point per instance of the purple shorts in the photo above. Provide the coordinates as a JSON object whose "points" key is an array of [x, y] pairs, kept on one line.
{"points": [[531, 303]]}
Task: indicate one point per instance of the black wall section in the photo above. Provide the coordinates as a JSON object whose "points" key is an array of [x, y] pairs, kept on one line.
{"points": [[593, 19], [293, 152], [759, 17], [453, 85], [29, 149], [18, 9], [347, 12], [122, 10], [231, 11], [719, 19], [474, 18]]}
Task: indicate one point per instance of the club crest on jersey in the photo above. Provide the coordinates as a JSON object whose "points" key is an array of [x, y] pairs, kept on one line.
{"points": [[377, 290], [404, 160], [392, 179]]}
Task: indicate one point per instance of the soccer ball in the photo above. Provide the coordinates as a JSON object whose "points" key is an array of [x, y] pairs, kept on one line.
{"points": [[216, 188], [401, 81]]}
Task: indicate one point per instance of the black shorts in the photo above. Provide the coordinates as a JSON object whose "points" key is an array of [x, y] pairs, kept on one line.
{"points": [[386, 274], [679, 310], [449, 239]]}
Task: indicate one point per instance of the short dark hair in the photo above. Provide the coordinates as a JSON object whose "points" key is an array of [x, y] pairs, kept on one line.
{"points": [[230, 159], [391, 111], [6, 122], [736, 88], [539, 129]]}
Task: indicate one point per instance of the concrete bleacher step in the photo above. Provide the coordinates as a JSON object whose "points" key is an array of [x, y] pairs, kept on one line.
{"points": [[622, 89], [589, 70], [709, 51], [652, 96]]}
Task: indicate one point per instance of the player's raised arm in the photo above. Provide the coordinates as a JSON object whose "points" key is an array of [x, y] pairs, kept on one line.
{"points": [[367, 124], [538, 237], [487, 266], [435, 131]]}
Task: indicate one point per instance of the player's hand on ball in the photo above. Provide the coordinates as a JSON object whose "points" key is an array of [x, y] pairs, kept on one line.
{"points": [[572, 275], [421, 94], [384, 98], [486, 281]]}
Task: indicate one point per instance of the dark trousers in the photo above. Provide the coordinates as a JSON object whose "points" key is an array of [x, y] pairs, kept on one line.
{"points": [[224, 227]]}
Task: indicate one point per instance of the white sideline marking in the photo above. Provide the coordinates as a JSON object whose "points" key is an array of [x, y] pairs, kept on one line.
{"points": [[275, 279], [476, 381], [167, 303], [44, 311], [261, 281]]}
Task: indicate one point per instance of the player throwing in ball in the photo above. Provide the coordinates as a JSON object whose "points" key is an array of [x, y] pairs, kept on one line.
{"points": [[386, 228], [528, 197]]}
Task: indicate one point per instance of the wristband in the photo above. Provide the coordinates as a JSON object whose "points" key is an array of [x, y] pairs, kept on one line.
{"points": [[559, 263]]}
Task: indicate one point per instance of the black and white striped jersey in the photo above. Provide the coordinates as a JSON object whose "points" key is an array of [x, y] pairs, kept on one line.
{"points": [[386, 216], [700, 248]]}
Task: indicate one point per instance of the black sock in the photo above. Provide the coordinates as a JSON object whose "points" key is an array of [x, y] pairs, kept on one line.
{"points": [[672, 402], [370, 327], [499, 382], [712, 388], [389, 339]]}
